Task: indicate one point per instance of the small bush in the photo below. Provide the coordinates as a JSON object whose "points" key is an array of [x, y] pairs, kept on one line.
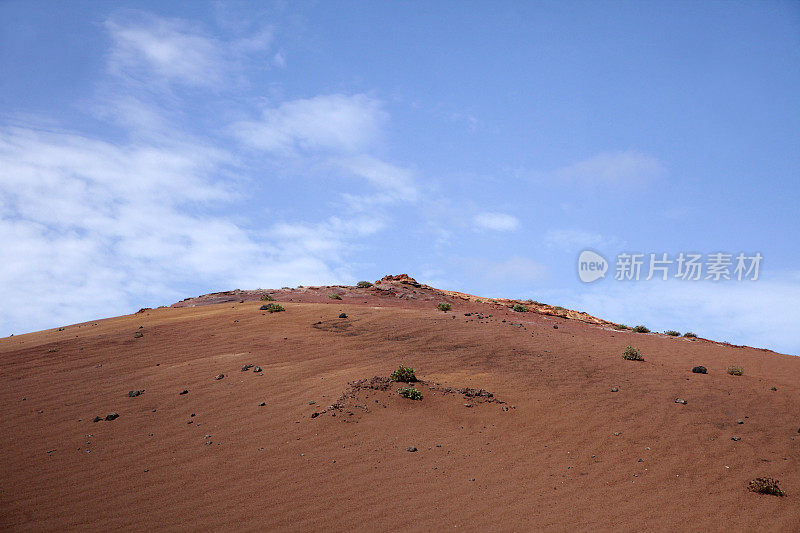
{"points": [[690, 335], [632, 354], [641, 329], [335, 297], [519, 308], [272, 308], [672, 333], [765, 485], [444, 306], [735, 370], [364, 284], [559, 308], [404, 374], [410, 393], [621, 326], [267, 298]]}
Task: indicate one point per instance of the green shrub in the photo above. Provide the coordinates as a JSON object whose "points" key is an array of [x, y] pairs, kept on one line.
{"points": [[444, 306], [404, 374], [621, 326], [267, 298], [364, 284], [735, 370], [410, 393], [272, 308], [519, 308], [335, 297], [559, 308], [672, 333], [690, 335], [765, 485], [632, 354], [641, 329]]}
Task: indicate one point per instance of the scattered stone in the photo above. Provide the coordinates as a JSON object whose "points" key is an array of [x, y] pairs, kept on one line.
{"points": [[700, 370], [640, 460], [740, 421], [680, 401], [245, 368], [138, 335], [773, 388], [262, 404], [219, 376], [412, 448], [184, 391], [135, 393], [112, 416], [96, 419], [505, 408], [736, 439], [257, 369], [343, 315], [617, 434], [312, 402], [314, 415], [467, 405], [614, 389], [555, 327]]}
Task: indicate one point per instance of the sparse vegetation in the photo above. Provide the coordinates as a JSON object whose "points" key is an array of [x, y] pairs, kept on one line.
{"points": [[765, 485], [272, 308], [641, 329], [559, 308], [672, 333], [632, 354], [690, 335], [443, 306], [621, 326], [519, 308], [335, 296], [735, 370], [410, 392], [267, 298], [364, 284], [404, 374]]}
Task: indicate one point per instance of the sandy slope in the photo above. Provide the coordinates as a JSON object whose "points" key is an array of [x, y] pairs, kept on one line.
{"points": [[561, 452]]}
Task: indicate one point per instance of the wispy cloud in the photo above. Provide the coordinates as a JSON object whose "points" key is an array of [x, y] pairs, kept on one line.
{"points": [[171, 49], [395, 183], [574, 240], [335, 122], [496, 221], [614, 168]]}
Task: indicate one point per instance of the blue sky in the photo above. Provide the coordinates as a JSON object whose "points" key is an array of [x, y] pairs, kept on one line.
{"points": [[151, 151]]}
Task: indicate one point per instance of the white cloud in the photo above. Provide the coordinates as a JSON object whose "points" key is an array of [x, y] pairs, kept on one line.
{"points": [[394, 182], [89, 228], [496, 221], [171, 49], [615, 168], [335, 122]]}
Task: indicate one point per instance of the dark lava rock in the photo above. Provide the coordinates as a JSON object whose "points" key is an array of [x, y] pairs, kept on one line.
{"points": [[262, 404], [112, 416], [257, 369], [263, 308], [555, 327], [137, 335], [184, 391], [735, 439], [135, 393], [97, 419], [245, 368], [314, 415], [700, 370], [680, 401], [343, 315], [773, 388], [412, 448], [219, 376]]}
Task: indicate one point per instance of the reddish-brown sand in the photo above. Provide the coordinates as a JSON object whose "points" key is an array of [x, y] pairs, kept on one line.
{"points": [[553, 449]]}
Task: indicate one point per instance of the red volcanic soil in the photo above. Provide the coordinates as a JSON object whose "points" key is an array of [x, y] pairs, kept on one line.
{"points": [[518, 428]]}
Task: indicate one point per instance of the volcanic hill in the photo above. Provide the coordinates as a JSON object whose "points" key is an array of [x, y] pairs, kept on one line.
{"points": [[224, 412]]}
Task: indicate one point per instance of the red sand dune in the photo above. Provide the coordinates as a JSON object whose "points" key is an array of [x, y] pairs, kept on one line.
{"points": [[552, 448]]}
